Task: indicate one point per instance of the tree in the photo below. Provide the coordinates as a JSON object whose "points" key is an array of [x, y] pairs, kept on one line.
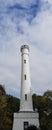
{"points": [[48, 94], [32, 127], [44, 105], [2, 90]]}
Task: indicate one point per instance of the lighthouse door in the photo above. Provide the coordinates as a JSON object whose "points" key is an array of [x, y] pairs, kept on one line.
{"points": [[25, 125]]}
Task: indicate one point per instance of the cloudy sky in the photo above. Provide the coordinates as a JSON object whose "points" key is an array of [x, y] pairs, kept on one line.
{"points": [[26, 22]]}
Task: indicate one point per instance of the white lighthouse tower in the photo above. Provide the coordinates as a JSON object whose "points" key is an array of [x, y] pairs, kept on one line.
{"points": [[26, 96], [26, 116]]}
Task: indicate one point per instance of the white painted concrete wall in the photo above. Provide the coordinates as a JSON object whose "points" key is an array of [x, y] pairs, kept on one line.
{"points": [[20, 118], [24, 114], [25, 84]]}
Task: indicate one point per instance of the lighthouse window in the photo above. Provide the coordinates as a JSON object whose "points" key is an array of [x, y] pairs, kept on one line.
{"points": [[25, 125], [25, 97], [25, 61], [25, 76]]}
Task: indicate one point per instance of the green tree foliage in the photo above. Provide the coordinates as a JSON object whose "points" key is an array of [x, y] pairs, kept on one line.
{"points": [[10, 104], [2, 90], [32, 127], [44, 105], [48, 94], [34, 97]]}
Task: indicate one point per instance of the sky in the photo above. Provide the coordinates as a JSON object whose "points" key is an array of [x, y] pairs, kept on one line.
{"points": [[26, 22]]}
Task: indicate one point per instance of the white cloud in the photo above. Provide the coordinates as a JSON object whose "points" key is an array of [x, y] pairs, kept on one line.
{"points": [[50, 1], [25, 3], [38, 35]]}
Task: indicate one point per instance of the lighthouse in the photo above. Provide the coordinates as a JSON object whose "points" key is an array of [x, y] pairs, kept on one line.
{"points": [[26, 95], [26, 116]]}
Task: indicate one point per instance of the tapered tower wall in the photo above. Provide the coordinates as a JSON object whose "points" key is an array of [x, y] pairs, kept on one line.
{"points": [[26, 95], [26, 116]]}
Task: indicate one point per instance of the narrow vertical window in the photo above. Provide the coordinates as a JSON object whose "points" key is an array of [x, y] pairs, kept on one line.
{"points": [[25, 76], [25, 125], [25, 61], [25, 97]]}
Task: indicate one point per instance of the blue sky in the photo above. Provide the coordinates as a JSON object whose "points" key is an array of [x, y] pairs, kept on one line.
{"points": [[26, 22]]}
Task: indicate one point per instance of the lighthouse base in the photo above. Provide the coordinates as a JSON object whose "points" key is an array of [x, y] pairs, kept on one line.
{"points": [[24, 119]]}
